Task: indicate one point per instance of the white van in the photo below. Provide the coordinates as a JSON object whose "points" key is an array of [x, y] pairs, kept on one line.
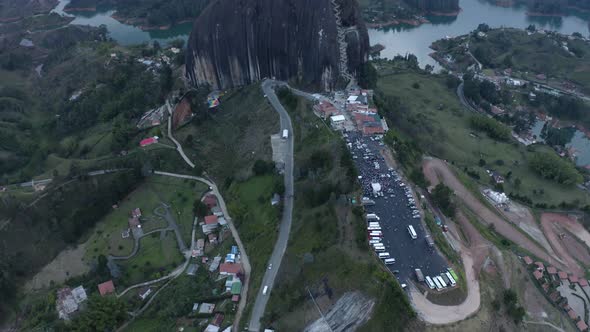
{"points": [[383, 255], [264, 290], [379, 249], [389, 261]]}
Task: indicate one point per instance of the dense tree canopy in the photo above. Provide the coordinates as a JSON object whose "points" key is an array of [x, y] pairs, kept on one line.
{"points": [[550, 166]]}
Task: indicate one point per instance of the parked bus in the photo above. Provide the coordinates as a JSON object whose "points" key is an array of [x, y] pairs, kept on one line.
{"points": [[442, 282], [378, 244], [453, 274], [375, 233], [374, 223], [429, 283], [379, 249], [374, 228], [445, 279], [451, 279], [419, 275], [383, 255], [412, 232], [374, 241], [437, 283], [389, 261]]}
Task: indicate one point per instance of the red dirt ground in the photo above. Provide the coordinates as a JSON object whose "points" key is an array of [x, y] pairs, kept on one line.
{"points": [[436, 169]]}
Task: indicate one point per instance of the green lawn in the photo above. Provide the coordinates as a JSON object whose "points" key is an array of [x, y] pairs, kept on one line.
{"points": [[180, 194], [157, 256], [446, 134]]}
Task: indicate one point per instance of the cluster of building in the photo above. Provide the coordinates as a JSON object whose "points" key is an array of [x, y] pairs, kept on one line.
{"points": [[567, 291], [134, 223], [356, 105], [229, 268], [213, 223]]}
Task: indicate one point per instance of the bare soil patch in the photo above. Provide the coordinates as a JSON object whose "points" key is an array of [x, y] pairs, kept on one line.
{"points": [[69, 263], [553, 235]]}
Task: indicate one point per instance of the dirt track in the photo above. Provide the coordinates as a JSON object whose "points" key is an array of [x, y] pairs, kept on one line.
{"points": [[440, 314], [549, 222], [435, 170]]}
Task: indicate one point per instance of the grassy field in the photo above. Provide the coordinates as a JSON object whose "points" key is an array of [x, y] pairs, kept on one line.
{"points": [[158, 255], [180, 194], [433, 116]]}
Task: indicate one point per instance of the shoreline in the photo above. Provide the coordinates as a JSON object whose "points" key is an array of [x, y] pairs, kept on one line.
{"points": [[79, 9], [538, 14], [140, 23], [412, 21]]}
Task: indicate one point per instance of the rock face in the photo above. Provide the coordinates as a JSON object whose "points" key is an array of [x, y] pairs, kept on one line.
{"points": [[236, 42], [441, 6]]}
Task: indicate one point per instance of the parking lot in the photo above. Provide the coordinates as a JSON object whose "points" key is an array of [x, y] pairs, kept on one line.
{"points": [[393, 207]]}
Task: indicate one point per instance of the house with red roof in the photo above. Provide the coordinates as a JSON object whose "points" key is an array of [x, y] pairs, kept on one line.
{"points": [[148, 141], [527, 260], [325, 109], [211, 220], [552, 270], [540, 266], [134, 222], [538, 274], [582, 326], [212, 238], [218, 319], [106, 288], [235, 298], [572, 314], [573, 279], [562, 275], [136, 213], [582, 282], [230, 268]]}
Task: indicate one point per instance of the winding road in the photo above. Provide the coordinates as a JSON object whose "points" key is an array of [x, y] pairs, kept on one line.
{"points": [[285, 227]]}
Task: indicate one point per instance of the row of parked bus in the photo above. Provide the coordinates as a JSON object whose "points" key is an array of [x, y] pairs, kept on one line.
{"points": [[441, 281], [375, 238]]}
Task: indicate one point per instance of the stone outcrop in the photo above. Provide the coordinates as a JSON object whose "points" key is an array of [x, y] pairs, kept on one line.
{"points": [[316, 42]]}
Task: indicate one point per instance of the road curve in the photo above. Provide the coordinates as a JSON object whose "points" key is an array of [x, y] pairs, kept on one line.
{"points": [[285, 227]]}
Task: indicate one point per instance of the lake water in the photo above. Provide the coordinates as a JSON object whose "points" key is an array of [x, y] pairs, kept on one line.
{"points": [[404, 39], [125, 34]]}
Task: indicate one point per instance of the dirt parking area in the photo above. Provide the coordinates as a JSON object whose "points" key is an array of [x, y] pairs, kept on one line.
{"points": [[69, 263], [522, 217]]}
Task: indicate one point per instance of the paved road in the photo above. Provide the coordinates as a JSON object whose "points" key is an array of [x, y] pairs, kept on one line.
{"points": [[285, 227], [464, 100], [245, 261]]}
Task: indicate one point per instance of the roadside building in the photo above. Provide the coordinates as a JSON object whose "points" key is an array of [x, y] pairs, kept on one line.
{"points": [[325, 109], [68, 301], [215, 264], [230, 269], [216, 210], [583, 282], [208, 229], [235, 298], [236, 287], [148, 141], [145, 292], [573, 279], [540, 266], [200, 247], [206, 308], [222, 221], [538, 274], [581, 325], [498, 179], [218, 319], [211, 328], [337, 119], [551, 270], [527, 260], [211, 220], [572, 314], [106, 288]]}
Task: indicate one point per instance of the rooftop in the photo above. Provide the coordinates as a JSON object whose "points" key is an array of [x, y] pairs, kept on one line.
{"points": [[562, 275], [211, 220], [106, 288]]}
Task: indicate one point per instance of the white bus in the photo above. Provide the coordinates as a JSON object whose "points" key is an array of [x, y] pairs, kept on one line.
{"points": [[451, 279], [375, 233], [412, 232], [374, 223], [374, 228], [379, 249], [374, 241], [429, 283], [389, 261], [442, 282], [378, 244], [437, 283], [383, 255]]}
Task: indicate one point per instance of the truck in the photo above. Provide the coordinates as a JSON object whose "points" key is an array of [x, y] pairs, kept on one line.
{"points": [[429, 241], [419, 275], [285, 133]]}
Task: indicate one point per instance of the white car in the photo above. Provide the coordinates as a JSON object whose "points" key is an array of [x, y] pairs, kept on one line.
{"points": [[270, 266]]}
